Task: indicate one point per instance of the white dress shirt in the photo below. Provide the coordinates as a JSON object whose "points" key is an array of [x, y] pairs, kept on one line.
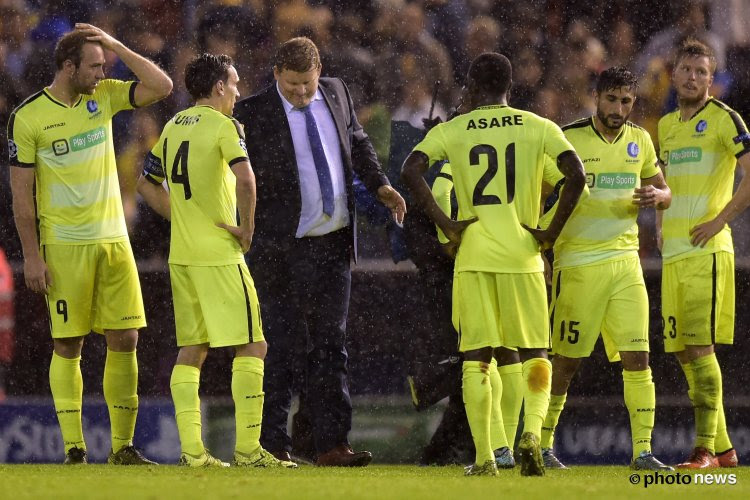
{"points": [[312, 221]]}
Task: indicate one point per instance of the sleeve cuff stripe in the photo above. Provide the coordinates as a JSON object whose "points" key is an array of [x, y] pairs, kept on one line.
{"points": [[23, 165], [445, 176], [131, 95], [237, 160], [742, 153], [153, 180]]}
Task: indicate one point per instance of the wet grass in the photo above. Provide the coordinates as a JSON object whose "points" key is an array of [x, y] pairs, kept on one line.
{"points": [[374, 482]]}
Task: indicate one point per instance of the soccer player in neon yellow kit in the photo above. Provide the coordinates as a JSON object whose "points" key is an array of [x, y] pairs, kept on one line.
{"points": [[201, 153], [700, 144], [598, 283], [61, 140], [497, 157]]}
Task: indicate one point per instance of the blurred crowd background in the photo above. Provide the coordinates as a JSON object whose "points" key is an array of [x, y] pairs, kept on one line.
{"points": [[389, 52]]}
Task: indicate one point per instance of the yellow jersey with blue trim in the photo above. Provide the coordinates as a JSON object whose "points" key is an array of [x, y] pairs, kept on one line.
{"points": [[194, 154], [603, 224], [700, 156], [72, 153], [497, 160]]}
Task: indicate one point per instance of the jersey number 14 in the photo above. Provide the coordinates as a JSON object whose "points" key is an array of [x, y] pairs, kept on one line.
{"points": [[179, 174], [479, 198]]}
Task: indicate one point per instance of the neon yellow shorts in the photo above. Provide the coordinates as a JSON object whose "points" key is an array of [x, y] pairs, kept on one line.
{"points": [[94, 287], [494, 309], [697, 301], [608, 298], [215, 305]]}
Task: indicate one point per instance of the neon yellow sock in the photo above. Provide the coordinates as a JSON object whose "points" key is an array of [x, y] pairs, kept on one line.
{"points": [[497, 429], [640, 399], [722, 442], [477, 391], [537, 373], [187, 407], [556, 405], [247, 391], [66, 384], [512, 377], [121, 395], [706, 403]]}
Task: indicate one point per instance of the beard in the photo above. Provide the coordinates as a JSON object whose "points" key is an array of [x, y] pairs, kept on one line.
{"points": [[82, 87], [609, 121]]}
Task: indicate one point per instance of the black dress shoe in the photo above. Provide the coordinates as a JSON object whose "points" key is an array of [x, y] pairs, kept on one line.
{"points": [[343, 456]]}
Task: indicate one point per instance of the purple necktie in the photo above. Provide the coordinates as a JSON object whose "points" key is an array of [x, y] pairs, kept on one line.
{"points": [[319, 158]]}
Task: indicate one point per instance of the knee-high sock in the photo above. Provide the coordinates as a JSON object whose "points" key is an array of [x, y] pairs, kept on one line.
{"points": [[187, 407], [121, 395], [497, 429], [66, 384], [537, 373], [477, 391], [556, 405], [706, 400], [722, 442], [247, 391], [512, 377], [640, 399]]}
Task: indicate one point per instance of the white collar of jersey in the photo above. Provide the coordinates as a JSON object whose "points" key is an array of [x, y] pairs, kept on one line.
{"points": [[288, 106]]}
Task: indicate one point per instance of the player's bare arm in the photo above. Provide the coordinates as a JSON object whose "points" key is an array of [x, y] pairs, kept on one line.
{"points": [[35, 272], [156, 196], [245, 205], [654, 192], [414, 168], [702, 233], [575, 179], [154, 84]]}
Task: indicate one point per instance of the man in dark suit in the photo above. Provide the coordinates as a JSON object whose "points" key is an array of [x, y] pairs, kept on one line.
{"points": [[305, 144]]}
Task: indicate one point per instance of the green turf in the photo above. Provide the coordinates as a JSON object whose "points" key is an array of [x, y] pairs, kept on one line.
{"points": [[376, 482]]}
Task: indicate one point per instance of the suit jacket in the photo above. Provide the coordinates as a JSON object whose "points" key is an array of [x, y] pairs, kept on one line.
{"points": [[271, 153]]}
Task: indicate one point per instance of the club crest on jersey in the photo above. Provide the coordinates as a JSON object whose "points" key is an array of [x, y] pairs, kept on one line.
{"points": [[92, 106], [12, 148], [633, 150], [701, 126]]}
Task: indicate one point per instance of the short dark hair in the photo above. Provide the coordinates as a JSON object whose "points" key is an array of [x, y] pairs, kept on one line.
{"points": [[616, 77], [298, 54], [70, 48], [202, 73], [692, 47], [491, 72]]}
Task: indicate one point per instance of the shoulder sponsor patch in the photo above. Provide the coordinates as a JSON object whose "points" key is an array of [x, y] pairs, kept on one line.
{"points": [[12, 149]]}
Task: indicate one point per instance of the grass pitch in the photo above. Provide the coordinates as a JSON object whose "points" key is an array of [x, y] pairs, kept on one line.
{"points": [[376, 482]]}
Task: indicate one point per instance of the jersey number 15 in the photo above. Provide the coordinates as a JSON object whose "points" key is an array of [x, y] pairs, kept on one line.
{"points": [[479, 198]]}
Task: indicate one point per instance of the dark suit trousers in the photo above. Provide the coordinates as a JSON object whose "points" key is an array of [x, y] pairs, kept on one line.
{"points": [[303, 287]]}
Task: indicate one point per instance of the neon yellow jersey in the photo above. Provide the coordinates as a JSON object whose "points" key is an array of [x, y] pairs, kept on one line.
{"points": [[73, 156], [194, 153], [603, 224], [700, 155], [497, 161], [443, 187]]}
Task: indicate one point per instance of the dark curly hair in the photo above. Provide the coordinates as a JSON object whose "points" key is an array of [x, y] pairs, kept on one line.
{"points": [[616, 77]]}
